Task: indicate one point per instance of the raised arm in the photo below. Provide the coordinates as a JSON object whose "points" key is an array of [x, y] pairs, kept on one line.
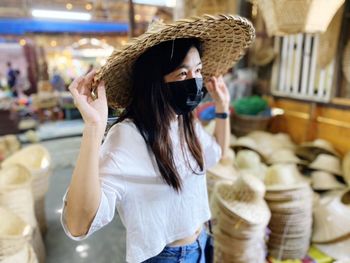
{"points": [[218, 91], [84, 194]]}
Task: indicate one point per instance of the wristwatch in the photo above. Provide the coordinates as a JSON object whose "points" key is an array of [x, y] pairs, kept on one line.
{"points": [[221, 115]]}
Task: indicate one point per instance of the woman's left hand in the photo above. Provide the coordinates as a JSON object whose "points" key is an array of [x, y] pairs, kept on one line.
{"points": [[219, 92]]}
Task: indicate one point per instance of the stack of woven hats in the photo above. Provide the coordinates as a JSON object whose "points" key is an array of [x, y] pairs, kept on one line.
{"points": [[290, 200], [240, 218], [331, 232], [222, 171]]}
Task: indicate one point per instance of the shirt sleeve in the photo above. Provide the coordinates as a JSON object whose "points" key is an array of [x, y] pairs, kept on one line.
{"points": [[211, 149], [112, 192]]}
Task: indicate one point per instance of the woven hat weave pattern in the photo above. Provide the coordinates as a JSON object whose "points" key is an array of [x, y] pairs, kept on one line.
{"points": [[225, 39]]}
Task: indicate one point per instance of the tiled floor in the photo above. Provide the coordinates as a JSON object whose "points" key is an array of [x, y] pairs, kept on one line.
{"points": [[105, 246]]}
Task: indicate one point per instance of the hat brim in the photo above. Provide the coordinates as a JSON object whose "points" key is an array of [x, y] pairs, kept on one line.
{"points": [[225, 39]]}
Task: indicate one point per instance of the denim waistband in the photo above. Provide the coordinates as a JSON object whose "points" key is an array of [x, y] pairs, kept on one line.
{"points": [[198, 243]]}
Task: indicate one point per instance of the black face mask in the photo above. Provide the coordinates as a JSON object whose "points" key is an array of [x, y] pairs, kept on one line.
{"points": [[185, 95]]}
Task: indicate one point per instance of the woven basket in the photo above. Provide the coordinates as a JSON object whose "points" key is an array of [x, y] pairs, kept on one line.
{"points": [[45, 100], [16, 192], [241, 125], [298, 16], [14, 233], [38, 161], [346, 62]]}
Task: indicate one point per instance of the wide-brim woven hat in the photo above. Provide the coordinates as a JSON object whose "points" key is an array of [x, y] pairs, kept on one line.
{"points": [[225, 39], [244, 198]]}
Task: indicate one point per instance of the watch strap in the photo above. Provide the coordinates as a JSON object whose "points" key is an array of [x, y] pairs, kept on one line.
{"points": [[221, 115]]}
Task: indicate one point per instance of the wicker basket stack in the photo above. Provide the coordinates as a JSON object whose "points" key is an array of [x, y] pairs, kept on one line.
{"points": [[14, 239], [37, 160], [298, 16], [16, 195]]}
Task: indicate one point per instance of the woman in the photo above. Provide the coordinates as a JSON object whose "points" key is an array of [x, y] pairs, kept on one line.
{"points": [[152, 163]]}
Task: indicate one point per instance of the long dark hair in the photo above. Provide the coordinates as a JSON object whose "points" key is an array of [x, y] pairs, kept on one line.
{"points": [[152, 114]]}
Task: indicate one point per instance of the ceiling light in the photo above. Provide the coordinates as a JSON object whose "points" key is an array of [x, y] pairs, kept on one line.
{"points": [[137, 18], [88, 6], [53, 43], [40, 13], [22, 42], [69, 6]]}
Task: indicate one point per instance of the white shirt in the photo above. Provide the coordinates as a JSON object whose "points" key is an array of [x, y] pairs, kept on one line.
{"points": [[153, 214]]}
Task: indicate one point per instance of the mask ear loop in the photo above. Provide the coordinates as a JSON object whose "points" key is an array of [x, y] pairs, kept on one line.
{"points": [[172, 49]]}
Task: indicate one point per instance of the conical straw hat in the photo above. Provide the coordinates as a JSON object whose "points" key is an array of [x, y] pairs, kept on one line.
{"points": [[281, 177], [325, 181], [327, 163], [346, 168], [225, 39], [331, 217], [244, 198]]}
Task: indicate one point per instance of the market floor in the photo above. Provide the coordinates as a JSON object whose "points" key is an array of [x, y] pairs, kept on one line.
{"points": [[105, 246]]}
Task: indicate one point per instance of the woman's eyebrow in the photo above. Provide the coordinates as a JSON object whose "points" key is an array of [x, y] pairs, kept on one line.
{"points": [[187, 66]]}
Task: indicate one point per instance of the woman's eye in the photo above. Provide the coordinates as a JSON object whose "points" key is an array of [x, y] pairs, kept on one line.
{"points": [[199, 70], [183, 74]]}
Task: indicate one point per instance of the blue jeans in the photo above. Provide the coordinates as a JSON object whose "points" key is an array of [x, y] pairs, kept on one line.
{"points": [[192, 253]]}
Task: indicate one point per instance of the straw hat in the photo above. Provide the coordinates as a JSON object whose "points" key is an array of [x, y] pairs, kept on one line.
{"points": [[338, 250], [320, 146], [285, 140], [283, 177], [263, 56], [327, 163], [325, 181], [223, 170], [247, 159], [225, 39], [247, 143], [331, 217], [346, 62], [346, 168], [244, 198], [328, 42], [284, 156]]}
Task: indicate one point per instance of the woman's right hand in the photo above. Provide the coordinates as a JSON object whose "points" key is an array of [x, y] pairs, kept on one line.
{"points": [[93, 111]]}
